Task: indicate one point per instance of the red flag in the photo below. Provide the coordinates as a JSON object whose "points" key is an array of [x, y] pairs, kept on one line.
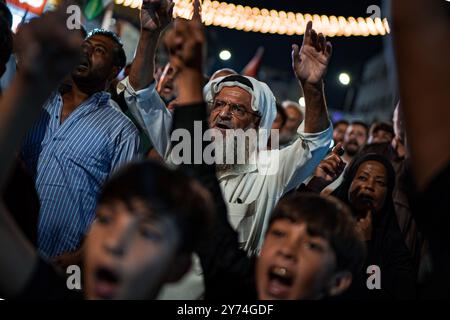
{"points": [[252, 67]]}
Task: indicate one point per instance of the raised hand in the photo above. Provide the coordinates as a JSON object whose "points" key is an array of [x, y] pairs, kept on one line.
{"points": [[310, 62], [46, 50], [364, 225], [331, 167], [328, 170], [186, 42], [156, 15]]}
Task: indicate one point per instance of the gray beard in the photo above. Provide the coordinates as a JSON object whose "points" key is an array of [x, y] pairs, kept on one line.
{"points": [[231, 147]]}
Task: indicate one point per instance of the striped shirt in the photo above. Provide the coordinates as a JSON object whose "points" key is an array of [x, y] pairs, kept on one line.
{"points": [[71, 161]]}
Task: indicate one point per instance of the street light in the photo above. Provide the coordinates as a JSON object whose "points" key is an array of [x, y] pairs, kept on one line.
{"points": [[344, 78], [225, 55]]}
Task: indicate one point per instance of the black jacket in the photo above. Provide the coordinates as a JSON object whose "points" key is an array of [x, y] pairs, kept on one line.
{"points": [[228, 271], [387, 249]]}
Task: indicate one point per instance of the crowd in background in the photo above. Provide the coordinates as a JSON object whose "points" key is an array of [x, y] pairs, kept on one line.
{"points": [[89, 175]]}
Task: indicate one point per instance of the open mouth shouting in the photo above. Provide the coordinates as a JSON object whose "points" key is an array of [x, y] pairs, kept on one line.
{"points": [[223, 126], [280, 282], [84, 64], [106, 283], [366, 200]]}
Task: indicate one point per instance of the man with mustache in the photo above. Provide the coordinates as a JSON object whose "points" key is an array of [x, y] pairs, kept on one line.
{"points": [[78, 140], [355, 139], [239, 102]]}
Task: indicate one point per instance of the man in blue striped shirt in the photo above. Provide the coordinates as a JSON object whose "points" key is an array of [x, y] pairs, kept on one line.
{"points": [[76, 143]]}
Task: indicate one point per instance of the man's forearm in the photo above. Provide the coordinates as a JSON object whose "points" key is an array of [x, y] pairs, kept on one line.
{"points": [[190, 87], [316, 114], [19, 106], [423, 43], [143, 67]]}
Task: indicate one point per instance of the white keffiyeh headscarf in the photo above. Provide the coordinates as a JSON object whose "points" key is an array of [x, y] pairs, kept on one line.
{"points": [[263, 100]]}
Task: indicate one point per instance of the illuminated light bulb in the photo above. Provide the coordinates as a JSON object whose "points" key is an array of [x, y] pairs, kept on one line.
{"points": [[273, 28], [325, 25], [348, 30], [386, 25], [371, 26], [249, 25], [300, 18], [342, 22], [354, 26], [134, 5], [344, 78], [225, 55], [259, 23], [282, 29], [290, 31], [379, 26], [308, 17], [363, 27], [235, 16]]}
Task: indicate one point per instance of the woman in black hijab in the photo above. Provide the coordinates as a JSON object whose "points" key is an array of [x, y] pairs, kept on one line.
{"points": [[367, 188]]}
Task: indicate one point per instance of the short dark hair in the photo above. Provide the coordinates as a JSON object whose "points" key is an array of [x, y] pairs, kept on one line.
{"points": [[339, 122], [384, 126], [362, 124], [6, 44], [328, 218], [120, 58], [167, 193]]}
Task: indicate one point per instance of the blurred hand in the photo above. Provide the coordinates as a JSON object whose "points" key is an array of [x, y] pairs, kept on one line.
{"points": [[328, 170], [46, 50], [156, 15], [331, 167], [364, 226], [310, 63], [186, 42]]}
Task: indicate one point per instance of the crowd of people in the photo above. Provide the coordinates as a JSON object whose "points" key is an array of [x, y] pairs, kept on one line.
{"points": [[91, 174]]}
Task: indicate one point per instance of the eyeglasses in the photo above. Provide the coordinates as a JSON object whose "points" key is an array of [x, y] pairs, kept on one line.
{"points": [[236, 110]]}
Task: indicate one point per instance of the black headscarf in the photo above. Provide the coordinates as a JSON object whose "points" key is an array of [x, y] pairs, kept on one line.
{"points": [[387, 248], [386, 217]]}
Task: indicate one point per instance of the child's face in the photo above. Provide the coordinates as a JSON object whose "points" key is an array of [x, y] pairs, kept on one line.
{"points": [[293, 264], [128, 252]]}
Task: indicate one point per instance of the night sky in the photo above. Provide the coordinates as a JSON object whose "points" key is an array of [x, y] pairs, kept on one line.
{"points": [[349, 54]]}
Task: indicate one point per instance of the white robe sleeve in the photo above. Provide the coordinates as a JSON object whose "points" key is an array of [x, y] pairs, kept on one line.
{"points": [[298, 161], [150, 112]]}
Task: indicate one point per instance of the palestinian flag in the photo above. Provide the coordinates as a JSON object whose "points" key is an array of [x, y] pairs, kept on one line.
{"points": [[95, 7]]}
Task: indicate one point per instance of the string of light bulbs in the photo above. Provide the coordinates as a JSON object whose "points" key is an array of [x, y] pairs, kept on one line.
{"points": [[245, 18]]}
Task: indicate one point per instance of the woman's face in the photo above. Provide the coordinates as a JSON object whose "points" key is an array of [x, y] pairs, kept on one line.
{"points": [[369, 187]]}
